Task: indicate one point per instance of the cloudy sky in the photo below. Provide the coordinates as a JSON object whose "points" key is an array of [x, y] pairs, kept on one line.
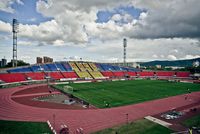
{"points": [[94, 29]]}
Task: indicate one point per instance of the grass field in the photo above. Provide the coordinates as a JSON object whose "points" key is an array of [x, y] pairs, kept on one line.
{"points": [[15, 127], [194, 121], [138, 127], [118, 93]]}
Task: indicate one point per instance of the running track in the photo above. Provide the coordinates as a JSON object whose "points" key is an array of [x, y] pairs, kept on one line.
{"points": [[90, 120]]}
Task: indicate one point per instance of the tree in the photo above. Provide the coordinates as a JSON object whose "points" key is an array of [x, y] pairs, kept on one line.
{"points": [[19, 63]]}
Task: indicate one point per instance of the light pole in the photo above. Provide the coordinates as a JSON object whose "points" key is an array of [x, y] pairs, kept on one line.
{"points": [[124, 45], [15, 29]]}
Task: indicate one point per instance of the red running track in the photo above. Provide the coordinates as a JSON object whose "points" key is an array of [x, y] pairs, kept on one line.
{"points": [[90, 120]]}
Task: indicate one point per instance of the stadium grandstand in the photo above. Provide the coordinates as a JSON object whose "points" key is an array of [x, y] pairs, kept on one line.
{"points": [[76, 70]]}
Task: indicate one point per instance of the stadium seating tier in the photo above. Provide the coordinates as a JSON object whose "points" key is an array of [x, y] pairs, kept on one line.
{"points": [[183, 74], [86, 70], [70, 75], [12, 77], [108, 74], [36, 75]]}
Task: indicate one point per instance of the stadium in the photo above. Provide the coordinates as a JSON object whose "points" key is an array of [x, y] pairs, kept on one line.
{"points": [[102, 67], [97, 95]]}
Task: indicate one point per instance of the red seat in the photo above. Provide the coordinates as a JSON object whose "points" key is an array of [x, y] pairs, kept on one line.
{"points": [[107, 74], [12, 77], [36, 76], [182, 74], [118, 74], [70, 75], [143, 74], [165, 73], [131, 73], [56, 75]]}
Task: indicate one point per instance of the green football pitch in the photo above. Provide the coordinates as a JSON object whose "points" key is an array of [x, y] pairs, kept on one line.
{"points": [[141, 126], [19, 127], [118, 93]]}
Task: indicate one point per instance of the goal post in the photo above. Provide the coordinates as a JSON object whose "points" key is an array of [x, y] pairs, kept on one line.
{"points": [[68, 88]]}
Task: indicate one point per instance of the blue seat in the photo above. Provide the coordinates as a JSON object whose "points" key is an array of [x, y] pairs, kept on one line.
{"points": [[36, 68], [67, 66], [107, 67], [124, 69], [116, 68], [52, 67], [133, 70], [99, 67], [44, 67], [20, 70], [60, 67]]}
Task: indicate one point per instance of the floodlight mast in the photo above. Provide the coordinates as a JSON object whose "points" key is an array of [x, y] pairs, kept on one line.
{"points": [[124, 45], [15, 27]]}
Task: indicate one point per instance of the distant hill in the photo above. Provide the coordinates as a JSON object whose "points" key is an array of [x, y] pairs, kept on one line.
{"points": [[179, 63]]}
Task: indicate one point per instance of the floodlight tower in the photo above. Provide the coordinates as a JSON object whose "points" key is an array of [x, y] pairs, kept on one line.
{"points": [[15, 27], [124, 45]]}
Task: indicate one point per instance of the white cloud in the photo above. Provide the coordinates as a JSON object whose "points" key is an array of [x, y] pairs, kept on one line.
{"points": [[171, 57], [58, 43], [25, 43], [125, 18], [155, 56], [162, 56], [165, 18], [148, 49], [5, 5], [191, 56], [164, 29], [116, 17], [109, 59], [74, 58], [5, 27], [75, 21], [175, 50], [25, 57], [143, 15], [52, 7], [46, 32], [20, 2]]}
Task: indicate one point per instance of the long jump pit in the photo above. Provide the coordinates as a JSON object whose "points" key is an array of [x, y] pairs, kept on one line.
{"points": [[47, 97]]}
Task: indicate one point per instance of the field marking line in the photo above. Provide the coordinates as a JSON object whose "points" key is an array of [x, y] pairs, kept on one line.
{"points": [[158, 121], [52, 129]]}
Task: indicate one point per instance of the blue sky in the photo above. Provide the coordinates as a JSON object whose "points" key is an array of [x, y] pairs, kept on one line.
{"points": [[94, 30], [105, 15], [26, 13]]}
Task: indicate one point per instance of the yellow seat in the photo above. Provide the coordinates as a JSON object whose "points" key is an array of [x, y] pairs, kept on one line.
{"points": [[74, 67], [84, 74], [96, 74]]}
